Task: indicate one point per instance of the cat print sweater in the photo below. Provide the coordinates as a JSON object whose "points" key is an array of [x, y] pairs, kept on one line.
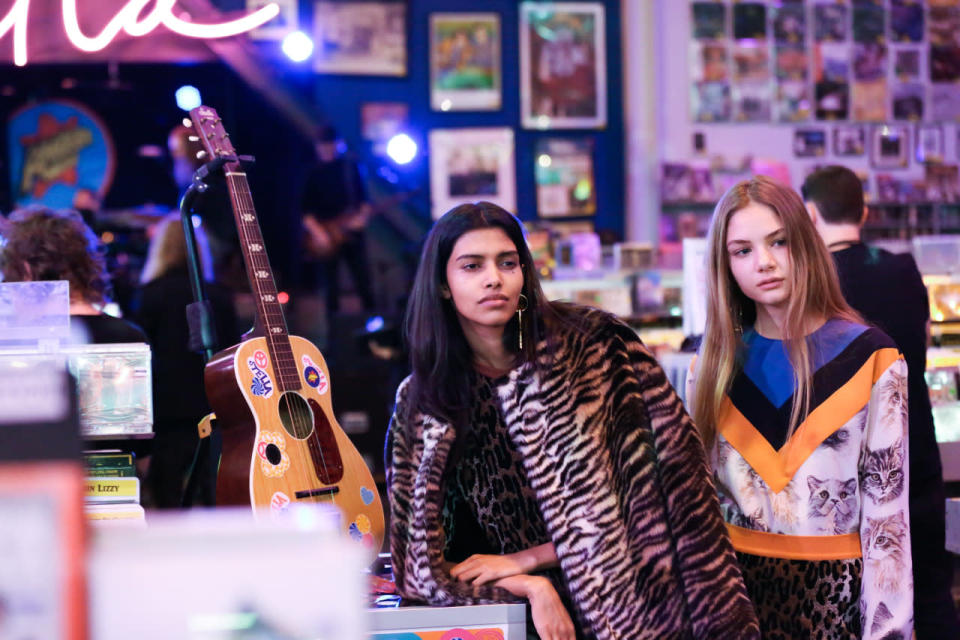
{"points": [[834, 493]]}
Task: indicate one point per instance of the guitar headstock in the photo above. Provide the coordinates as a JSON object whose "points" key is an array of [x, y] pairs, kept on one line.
{"points": [[212, 135]]}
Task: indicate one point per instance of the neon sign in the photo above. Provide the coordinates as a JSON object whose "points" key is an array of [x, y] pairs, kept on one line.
{"points": [[128, 19]]}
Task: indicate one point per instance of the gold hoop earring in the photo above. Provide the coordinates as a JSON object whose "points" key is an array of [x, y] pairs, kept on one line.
{"points": [[521, 307]]}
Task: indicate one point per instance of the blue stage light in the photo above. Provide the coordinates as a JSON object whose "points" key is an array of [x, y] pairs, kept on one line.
{"points": [[297, 46], [374, 323], [188, 97], [401, 148]]}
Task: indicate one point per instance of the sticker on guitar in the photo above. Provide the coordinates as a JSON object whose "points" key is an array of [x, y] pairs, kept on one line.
{"points": [[314, 376], [272, 451], [261, 384]]}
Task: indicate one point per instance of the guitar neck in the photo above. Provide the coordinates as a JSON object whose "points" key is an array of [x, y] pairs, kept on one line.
{"points": [[270, 321]]}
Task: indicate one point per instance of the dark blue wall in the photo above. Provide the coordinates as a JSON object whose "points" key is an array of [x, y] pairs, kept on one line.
{"points": [[339, 98]]}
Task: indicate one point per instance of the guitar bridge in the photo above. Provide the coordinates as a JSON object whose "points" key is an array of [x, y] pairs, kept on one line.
{"points": [[313, 493]]}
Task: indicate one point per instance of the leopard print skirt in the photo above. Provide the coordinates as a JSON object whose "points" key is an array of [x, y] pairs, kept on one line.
{"points": [[804, 599]]}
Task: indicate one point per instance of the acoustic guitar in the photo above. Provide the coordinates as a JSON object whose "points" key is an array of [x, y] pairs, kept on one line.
{"points": [[282, 444]]}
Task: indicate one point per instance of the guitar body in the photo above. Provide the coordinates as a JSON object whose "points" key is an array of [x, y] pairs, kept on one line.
{"points": [[285, 447]]}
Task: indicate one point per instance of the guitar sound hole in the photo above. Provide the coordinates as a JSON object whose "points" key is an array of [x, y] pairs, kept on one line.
{"points": [[273, 454], [296, 415]]}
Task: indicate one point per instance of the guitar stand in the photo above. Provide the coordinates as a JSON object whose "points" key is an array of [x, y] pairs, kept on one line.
{"points": [[203, 336]]}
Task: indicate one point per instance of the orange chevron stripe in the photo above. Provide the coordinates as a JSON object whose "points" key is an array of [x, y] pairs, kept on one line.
{"points": [[777, 468]]}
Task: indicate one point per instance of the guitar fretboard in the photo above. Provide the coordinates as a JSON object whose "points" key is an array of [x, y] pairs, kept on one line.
{"points": [[269, 310]]}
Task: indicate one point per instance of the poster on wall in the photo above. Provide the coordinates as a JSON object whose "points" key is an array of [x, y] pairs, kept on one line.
{"points": [[286, 22], [467, 165], [890, 147], [564, 177], [830, 22], [59, 151], [749, 21], [752, 102], [709, 20], [849, 141], [708, 62], [906, 64], [789, 24], [360, 38], [380, 121], [563, 67], [945, 103], [906, 21], [710, 101], [465, 62], [908, 102], [792, 102], [944, 24], [869, 100], [869, 22]]}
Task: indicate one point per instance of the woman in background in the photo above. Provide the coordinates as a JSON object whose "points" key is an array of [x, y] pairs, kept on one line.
{"points": [[537, 452], [803, 410], [179, 401], [45, 244]]}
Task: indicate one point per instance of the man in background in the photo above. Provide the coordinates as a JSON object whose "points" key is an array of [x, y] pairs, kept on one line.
{"points": [[888, 291], [335, 214]]}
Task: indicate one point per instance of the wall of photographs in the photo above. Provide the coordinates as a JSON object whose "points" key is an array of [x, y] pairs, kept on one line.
{"points": [[872, 84], [507, 101]]}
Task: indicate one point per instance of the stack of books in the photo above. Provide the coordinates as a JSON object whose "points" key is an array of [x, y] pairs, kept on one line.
{"points": [[112, 489]]}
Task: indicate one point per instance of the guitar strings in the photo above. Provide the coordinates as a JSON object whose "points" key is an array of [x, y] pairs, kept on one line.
{"points": [[238, 194], [297, 413]]}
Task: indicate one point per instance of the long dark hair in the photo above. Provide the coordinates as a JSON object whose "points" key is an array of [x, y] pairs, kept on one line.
{"points": [[440, 356]]}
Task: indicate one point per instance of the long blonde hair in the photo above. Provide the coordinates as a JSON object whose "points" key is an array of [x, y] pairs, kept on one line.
{"points": [[815, 294], [168, 250]]}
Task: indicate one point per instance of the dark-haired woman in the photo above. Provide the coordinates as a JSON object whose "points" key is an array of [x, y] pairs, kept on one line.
{"points": [[538, 452]]}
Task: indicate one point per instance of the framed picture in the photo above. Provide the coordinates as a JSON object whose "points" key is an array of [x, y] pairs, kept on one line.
{"points": [[849, 141], [929, 143], [564, 177], [563, 71], [809, 143], [286, 22], [465, 62], [890, 147], [467, 165], [360, 38]]}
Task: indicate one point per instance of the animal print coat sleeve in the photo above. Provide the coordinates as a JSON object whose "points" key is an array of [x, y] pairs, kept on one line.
{"points": [[886, 596], [415, 457], [717, 601]]}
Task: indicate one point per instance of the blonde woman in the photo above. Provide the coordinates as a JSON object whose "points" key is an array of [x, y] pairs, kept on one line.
{"points": [[803, 410]]}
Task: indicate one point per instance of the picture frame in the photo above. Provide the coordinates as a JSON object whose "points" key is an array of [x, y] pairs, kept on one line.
{"points": [[849, 141], [563, 69], [285, 23], [360, 38], [809, 143], [564, 177], [465, 60], [929, 146], [380, 121], [890, 146], [472, 164]]}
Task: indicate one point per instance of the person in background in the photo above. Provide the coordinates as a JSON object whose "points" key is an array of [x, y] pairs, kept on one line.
{"points": [[335, 213], [888, 291], [537, 452], [803, 409], [45, 244], [179, 401]]}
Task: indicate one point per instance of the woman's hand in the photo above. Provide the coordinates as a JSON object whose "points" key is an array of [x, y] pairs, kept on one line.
{"points": [[482, 568], [550, 617]]}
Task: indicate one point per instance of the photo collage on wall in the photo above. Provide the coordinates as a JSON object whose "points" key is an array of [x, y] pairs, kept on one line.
{"points": [[865, 61]]}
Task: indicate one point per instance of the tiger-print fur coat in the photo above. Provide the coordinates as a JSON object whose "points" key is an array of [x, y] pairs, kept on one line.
{"points": [[620, 476]]}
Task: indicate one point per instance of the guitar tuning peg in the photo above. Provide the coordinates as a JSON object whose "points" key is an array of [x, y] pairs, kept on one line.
{"points": [[201, 155], [188, 123], [193, 138]]}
